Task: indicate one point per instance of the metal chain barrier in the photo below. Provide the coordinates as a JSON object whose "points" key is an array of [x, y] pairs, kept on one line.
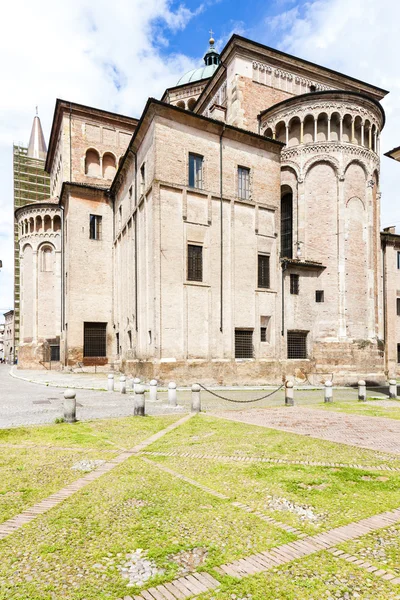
{"points": [[241, 401]]}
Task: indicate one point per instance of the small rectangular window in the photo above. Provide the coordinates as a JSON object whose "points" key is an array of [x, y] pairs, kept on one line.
{"points": [[398, 306], [196, 170], [297, 344], [195, 263], [117, 340], [94, 339], [264, 329], [243, 183], [54, 353], [95, 227], [398, 353], [130, 191], [294, 284], [398, 260], [130, 339], [142, 178], [263, 271], [243, 343], [319, 296]]}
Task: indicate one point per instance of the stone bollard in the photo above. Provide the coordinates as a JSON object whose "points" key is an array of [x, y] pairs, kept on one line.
{"points": [[122, 384], [392, 388], [362, 390], [328, 391], [289, 393], [196, 399], [110, 383], [172, 401], [70, 406], [135, 382], [153, 390], [138, 409]]}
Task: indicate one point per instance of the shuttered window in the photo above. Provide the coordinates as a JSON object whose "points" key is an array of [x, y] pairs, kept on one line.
{"points": [[243, 343], [94, 339], [195, 263], [263, 271], [243, 183], [297, 344]]}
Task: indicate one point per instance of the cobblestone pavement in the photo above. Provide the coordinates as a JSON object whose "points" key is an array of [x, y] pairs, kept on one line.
{"points": [[374, 433]]}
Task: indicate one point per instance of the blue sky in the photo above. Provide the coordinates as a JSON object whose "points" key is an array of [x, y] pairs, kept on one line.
{"points": [[115, 55]]}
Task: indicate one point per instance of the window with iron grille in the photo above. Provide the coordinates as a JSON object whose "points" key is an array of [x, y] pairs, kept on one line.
{"points": [[297, 344], [195, 263], [287, 226], [94, 339], [95, 227], [264, 328], [54, 353], [263, 271], [196, 170], [294, 284], [243, 183], [319, 296], [243, 343], [398, 306], [263, 334]]}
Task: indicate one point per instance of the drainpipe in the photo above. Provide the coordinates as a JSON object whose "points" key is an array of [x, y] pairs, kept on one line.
{"points": [[222, 229], [136, 250], [284, 267], [385, 336], [70, 143]]}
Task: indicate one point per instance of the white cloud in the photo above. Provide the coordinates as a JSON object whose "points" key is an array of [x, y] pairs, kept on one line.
{"points": [[104, 54], [359, 38]]}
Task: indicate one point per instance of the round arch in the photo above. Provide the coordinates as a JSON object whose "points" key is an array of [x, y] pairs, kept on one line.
{"points": [[359, 162], [326, 159], [92, 163]]}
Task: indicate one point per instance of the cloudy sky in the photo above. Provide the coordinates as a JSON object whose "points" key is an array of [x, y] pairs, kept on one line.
{"points": [[114, 55]]}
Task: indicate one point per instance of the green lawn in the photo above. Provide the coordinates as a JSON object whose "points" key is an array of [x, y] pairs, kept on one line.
{"points": [[132, 507], [317, 577], [361, 408], [210, 435], [382, 550]]}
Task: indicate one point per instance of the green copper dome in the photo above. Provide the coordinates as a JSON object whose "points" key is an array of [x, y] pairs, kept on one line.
{"points": [[212, 61]]}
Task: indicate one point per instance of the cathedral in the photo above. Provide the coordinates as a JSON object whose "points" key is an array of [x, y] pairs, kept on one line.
{"points": [[230, 235]]}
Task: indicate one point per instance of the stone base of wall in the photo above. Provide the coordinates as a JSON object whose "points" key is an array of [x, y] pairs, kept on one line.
{"points": [[33, 356]]}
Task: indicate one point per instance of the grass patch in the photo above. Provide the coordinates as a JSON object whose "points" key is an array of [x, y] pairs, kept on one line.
{"points": [[334, 496], [381, 549], [209, 435], [361, 408], [132, 507], [27, 476], [316, 577], [103, 433]]}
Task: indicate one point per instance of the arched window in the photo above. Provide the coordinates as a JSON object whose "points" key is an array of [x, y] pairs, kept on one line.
{"points": [[181, 104], [31, 225], [39, 223], [46, 259], [92, 163], [108, 166], [287, 223], [268, 133], [47, 223], [56, 223], [191, 103]]}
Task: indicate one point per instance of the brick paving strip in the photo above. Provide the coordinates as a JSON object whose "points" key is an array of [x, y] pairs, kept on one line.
{"points": [[8, 527], [286, 461], [244, 507], [263, 561], [374, 433], [364, 564]]}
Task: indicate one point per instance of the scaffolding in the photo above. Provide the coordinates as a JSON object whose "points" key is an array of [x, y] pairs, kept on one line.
{"points": [[31, 184]]}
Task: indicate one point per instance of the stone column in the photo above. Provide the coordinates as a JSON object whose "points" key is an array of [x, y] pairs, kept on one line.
{"points": [[329, 129], [341, 129], [315, 129], [352, 131], [287, 135], [362, 134], [370, 138], [301, 132]]}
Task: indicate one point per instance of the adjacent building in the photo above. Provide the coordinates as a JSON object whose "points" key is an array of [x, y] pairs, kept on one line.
{"points": [[8, 338], [31, 185], [230, 235]]}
